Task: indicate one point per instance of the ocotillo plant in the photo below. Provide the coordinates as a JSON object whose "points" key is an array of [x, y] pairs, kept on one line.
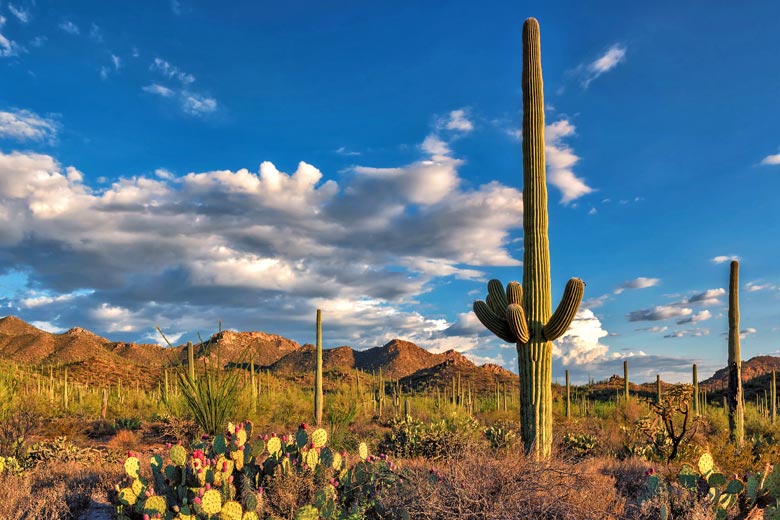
{"points": [[318, 374], [736, 409], [523, 314]]}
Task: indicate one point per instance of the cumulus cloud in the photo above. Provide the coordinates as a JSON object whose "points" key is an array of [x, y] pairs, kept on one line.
{"points": [[637, 283], [581, 342], [708, 297], [265, 247], [24, 125], [615, 55], [771, 160], [458, 120], [661, 312], [695, 318], [724, 258], [561, 160]]}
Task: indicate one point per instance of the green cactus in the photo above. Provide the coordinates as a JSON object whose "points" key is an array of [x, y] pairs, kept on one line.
{"points": [[211, 502], [132, 466], [363, 451], [523, 314], [307, 512], [318, 372], [723, 493], [231, 510], [178, 455], [319, 438], [735, 398], [155, 505]]}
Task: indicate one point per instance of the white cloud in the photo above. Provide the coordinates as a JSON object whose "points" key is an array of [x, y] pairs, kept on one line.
{"points": [[724, 258], [23, 15], [159, 90], [47, 326], [24, 125], [181, 249], [747, 332], [688, 333], [9, 48], [695, 318], [458, 120], [349, 153], [69, 27], [171, 71], [581, 342], [653, 329], [117, 61], [561, 160], [197, 105], [706, 298], [661, 312], [771, 160], [604, 63], [758, 286], [436, 147], [637, 283]]}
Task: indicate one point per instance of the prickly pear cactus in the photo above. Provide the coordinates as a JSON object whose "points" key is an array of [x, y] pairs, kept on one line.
{"points": [[127, 497], [363, 451], [308, 512], [274, 446], [132, 467], [231, 510], [319, 438], [155, 505], [178, 455], [211, 502]]}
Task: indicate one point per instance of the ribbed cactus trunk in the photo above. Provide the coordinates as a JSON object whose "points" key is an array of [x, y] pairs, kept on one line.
{"points": [[734, 395], [696, 410], [658, 388], [773, 397], [523, 314], [191, 360], [318, 373]]}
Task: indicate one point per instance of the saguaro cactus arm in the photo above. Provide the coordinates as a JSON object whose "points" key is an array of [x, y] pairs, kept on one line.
{"points": [[495, 323], [562, 317]]}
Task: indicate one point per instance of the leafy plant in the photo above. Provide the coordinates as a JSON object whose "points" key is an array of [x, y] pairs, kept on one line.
{"points": [[211, 397], [127, 423]]}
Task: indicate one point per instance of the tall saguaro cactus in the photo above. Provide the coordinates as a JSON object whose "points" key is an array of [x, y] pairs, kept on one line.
{"points": [[734, 398], [523, 314], [318, 374]]}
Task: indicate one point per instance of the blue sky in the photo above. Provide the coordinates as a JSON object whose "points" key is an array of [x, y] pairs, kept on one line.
{"points": [[181, 162]]}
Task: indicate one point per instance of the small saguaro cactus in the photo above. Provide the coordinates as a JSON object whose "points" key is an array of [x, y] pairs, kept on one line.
{"points": [[318, 373], [523, 314], [734, 398]]}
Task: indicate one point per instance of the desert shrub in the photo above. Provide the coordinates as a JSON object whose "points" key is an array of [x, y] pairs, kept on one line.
{"points": [[171, 428], [340, 413], [579, 445], [15, 430], [53, 491], [481, 486], [449, 437], [127, 423], [501, 435]]}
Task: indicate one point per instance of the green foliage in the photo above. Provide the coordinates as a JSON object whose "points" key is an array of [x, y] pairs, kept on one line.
{"points": [[410, 437], [212, 396], [580, 445], [500, 435], [127, 423]]}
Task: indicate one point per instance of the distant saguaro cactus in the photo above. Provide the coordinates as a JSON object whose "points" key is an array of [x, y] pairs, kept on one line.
{"points": [[523, 314], [318, 373], [736, 407]]}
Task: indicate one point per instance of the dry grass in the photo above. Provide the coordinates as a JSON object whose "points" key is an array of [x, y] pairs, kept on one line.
{"points": [[55, 491]]}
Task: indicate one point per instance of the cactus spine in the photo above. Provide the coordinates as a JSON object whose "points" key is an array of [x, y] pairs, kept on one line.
{"points": [[735, 403], [523, 314], [318, 374]]}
